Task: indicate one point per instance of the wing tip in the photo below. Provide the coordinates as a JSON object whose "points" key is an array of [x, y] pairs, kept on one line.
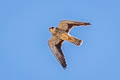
{"points": [[64, 66], [87, 24]]}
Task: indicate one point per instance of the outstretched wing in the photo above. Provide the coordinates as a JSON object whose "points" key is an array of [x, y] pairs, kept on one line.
{"points": [[66, 25], [55, 46]]}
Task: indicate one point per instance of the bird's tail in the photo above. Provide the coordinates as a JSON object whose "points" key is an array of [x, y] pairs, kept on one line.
{"points": [[75, 41]]}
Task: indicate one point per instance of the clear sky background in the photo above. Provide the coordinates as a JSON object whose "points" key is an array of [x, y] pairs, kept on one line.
{"points": [[24, 35]]}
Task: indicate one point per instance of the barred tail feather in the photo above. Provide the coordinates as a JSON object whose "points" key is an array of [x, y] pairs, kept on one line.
{"points": [[75, 41]]}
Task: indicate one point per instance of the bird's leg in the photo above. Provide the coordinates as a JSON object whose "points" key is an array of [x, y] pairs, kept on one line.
{"points": [[64, 36], [74, 40]]}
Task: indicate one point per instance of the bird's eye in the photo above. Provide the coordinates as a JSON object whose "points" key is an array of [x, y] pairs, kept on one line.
{"points": [[52, 27]]}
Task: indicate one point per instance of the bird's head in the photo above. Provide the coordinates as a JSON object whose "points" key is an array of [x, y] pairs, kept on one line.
{"points": [[52, 29]]}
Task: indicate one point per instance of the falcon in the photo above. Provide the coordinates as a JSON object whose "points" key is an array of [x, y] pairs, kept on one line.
{"points": [[61, 33]]}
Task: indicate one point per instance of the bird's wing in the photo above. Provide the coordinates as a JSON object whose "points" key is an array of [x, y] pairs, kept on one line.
{"points": [[55, 46], [67, 24]]}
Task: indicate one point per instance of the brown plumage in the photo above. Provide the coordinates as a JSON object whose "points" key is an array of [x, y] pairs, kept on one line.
{"points": [[61, 33]]}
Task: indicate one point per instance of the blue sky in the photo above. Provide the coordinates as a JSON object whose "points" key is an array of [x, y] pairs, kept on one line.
{"points": [[24, 33]]}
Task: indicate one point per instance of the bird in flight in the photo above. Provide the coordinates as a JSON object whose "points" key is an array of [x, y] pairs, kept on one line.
{"points": [[61, 33]]}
